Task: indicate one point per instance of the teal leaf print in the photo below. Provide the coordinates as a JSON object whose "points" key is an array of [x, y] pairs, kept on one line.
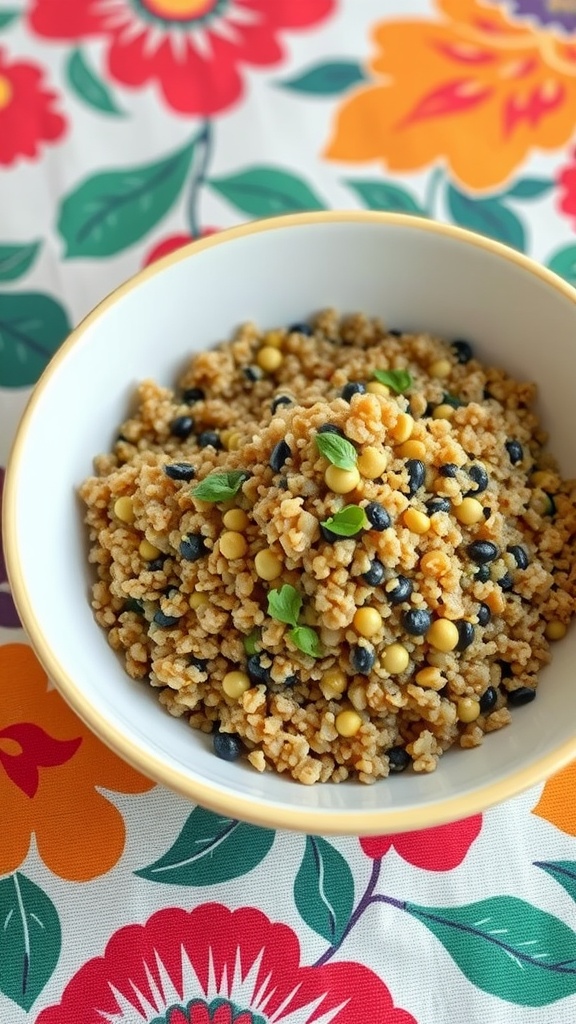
{"points": [[15, 260], [488, 217], [112, 210], [562, 871], [324, 889], [7, 17], [210, 849], [266, 192], [32, 326], [383, 195], [507, 947], [530, 188], [563, 263], [328, 79], [30, 939], [88, 87]]}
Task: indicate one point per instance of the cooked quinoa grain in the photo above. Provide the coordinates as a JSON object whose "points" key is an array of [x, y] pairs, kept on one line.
{"points": [[367, 564]]}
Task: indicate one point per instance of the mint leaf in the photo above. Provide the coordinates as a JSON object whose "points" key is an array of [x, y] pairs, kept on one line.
{"points": [[220, 486], [337, 450], [347, 522], [306, 640], [398, 380], [285, 604]]}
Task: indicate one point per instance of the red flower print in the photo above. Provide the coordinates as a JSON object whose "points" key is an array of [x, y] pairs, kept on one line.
{"points": [[193, 49], [567, 185], [171, 243], [434, 849], [217, 966], [27, 115]]}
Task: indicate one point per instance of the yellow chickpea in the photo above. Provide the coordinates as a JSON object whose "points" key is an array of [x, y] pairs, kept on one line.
{"points": [[341, 481], [348, 723], [274, 339], [232, 545], [430, 678], [235, 519], [269, 359], [372, 462], [395, 659], [374, 387], [443, 412], [147, 550], [403, 427], [268, 566], [443, 635], [468, 709], [469, 511], [333, 683], [555, 630], [367, 621], [412, 450], [416, 521], [124, 510], [235, 684], [440, 368], [197, 600]]}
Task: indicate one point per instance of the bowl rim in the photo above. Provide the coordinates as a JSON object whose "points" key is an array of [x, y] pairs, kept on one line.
{"points": [[235, 805]]}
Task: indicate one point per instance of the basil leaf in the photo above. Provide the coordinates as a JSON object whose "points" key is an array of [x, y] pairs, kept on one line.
{"points": [[398, 380], [347, 522], [220, 486], [306, 640], [251, 642], [285, 604], [337, 450]]}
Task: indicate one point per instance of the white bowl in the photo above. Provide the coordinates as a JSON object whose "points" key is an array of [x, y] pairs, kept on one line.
{"points": [[417, 275]]}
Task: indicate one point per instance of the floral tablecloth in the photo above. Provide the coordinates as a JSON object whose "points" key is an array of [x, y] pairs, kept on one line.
{"points": [[126, 128]]}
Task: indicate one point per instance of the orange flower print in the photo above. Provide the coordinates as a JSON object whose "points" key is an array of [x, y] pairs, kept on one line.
{"points": [[477, 89], [557, 803], [50, 766]]}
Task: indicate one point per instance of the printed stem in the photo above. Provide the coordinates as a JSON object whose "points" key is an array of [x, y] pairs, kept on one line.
{"points": [[203, 155], [367, 899], [431, 195]]}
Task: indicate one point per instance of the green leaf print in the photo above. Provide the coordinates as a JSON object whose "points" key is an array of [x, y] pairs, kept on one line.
{"points": [[324, 889], [88, 87], [530, 188], [563, 263], [507, 947], [328, 79], [266, 191], [383, 195], [15, 260], [32, 326], [210, 849], [487, 216], [7, 17], [110, 211], [30, 939], [562, 871]]}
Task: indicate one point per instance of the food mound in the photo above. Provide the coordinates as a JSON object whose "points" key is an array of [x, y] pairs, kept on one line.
{"points": [[338, 548]]}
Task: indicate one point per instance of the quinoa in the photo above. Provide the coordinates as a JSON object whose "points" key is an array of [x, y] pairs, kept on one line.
{"points": [[381, 577]]}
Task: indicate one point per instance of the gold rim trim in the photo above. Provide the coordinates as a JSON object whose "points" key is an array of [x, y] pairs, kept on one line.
{"points": [[233, 804]]}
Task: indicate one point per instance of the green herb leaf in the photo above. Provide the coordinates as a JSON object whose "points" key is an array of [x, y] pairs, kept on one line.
{"points": [[306, 640], [347, 522], [398, 380], [337, 450], [251, 642], [285, 604], [220, 486]]}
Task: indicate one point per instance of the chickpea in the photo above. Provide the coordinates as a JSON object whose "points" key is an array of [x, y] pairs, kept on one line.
{"points": [[440, 368], [416, 521], [269, 359], [430, 678], [443, 635], [341, 481], [372, 462], [468, 709], [232, 545], [555, 630], [124, 510], [395, 659], [348, 723], [268, 565], [235, 519], [469, 511], [367, 621], [235, 684], [403, 427], [147, 550]]}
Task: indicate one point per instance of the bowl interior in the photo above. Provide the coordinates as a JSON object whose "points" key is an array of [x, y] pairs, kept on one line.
{"points": [[414, 275]]}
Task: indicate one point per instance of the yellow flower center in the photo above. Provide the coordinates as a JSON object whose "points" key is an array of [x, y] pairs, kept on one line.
{"points": [[5, 91], [179, 10]]}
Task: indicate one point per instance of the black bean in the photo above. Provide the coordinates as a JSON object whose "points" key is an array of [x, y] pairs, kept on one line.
{"points": [[478, 474], [505, 669], [448, 469], [377, 516], [209, 438], [486, 511], [434, 505], [398, 759], [452, 400], [483, 614], [200, 663], [227, 746], [281, 400], [362, 660], [133, 605], [301, 329], [465, 634], [482, 573], [401, 592], [523, 695], [354, 387], [280, 453], [252, 373], [515, 451], [192, 547], [506, 582], [488, 700], [520, 555], [375, 574], [282, 483], [182, 427], [290, 681], [417, 621], [192, 395], [482, 551], [256, 671], [156, 564], [328, 535], [331, 428], [462, 350], [165, 620], [416, 475], [394, 333], [180, 471]]}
